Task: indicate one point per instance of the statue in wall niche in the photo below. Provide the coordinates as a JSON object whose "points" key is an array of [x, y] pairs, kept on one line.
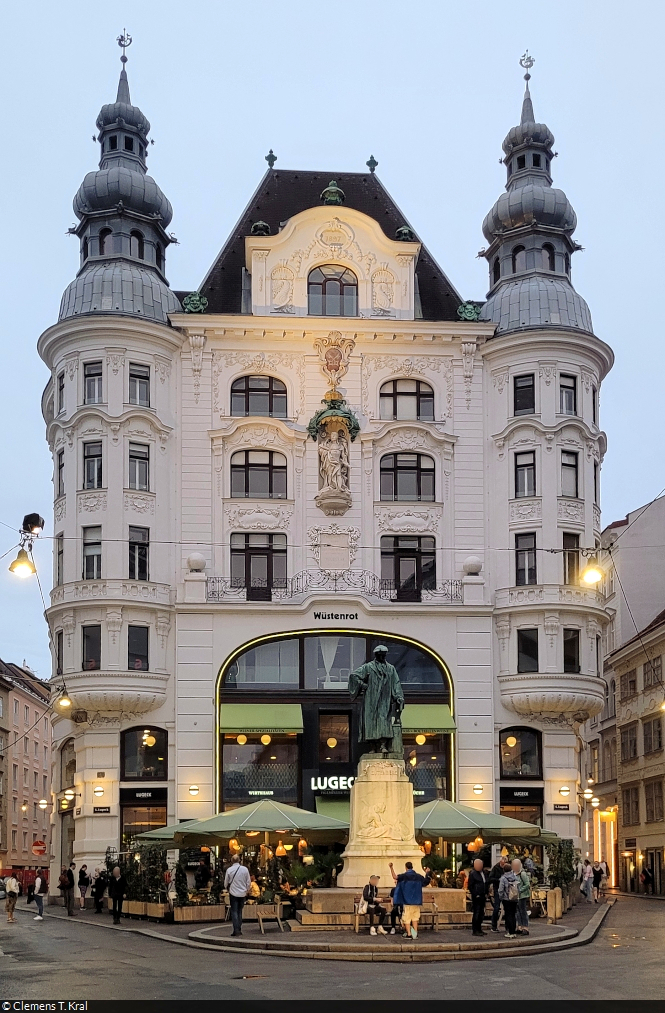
{"points": [[334, 462], [377, 685]]}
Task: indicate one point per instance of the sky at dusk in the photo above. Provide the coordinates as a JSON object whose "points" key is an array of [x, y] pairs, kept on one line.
{"points": [[430, 88]]}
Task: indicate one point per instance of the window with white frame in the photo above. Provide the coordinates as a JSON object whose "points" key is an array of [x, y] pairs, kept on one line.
{"points": [[569, 476], [567, 394], [139, 467], [92, 383]]}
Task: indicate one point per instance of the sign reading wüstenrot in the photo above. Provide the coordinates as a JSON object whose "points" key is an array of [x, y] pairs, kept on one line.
{"points": [[336, 615]]}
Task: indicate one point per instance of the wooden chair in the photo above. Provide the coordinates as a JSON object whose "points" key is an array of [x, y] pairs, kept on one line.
{"points": [[539, 900], [269, 913]]}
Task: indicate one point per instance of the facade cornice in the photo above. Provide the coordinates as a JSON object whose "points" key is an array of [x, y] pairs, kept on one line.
{"points": [[248, 422], [431, 432], [134, 413], [550, 342], [533, 422], [630, 652], [107, 328]]}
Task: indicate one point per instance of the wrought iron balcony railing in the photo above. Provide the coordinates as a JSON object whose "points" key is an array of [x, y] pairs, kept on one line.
{"points": [[364, 582]]}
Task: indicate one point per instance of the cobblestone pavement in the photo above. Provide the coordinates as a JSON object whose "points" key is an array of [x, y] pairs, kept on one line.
{"points": [[72, 959]]}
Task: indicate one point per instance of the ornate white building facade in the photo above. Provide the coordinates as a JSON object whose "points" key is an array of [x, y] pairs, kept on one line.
{"points": [[323, 449]]}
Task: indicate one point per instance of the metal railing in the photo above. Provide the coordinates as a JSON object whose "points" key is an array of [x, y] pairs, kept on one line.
{"points": [[364, 582]]}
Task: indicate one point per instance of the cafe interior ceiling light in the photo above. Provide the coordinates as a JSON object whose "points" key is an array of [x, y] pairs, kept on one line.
{"points": [[266, 739], [428, 847], [241, 740], [302, 843], [288, 847], [150, 741], [252, 833], [193, 789], [478, 843], [471, 846], [477, 789], [234, 844], [564, 790], [421, 739], [280, 850], [98, 790], [511, 741], [308, 859], [331, 742]]}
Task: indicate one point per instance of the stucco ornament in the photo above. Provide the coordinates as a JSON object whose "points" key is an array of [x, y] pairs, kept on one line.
{"points": [[334, 352], [195, 303], [334, 427], [469, 311]]}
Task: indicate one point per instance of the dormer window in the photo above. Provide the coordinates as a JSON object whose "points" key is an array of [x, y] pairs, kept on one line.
{"points": [[129, 143], [332, 292], [519, 259], [136, 246], [521, 162], [113, 143]]}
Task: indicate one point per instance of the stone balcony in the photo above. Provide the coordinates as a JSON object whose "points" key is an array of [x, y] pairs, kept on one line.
{"points": [[554, 697], [114, 693], [294, 590], [143, 591], [549, 595]]}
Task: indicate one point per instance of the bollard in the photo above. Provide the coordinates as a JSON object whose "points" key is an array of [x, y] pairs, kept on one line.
{"points": [[558, 899], [551, 906]]}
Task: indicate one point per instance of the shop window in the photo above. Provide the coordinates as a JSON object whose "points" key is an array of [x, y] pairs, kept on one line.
{"points": [[330, 660], [571, 558], [67, 765], [259, 766], [258, 395], [525, 474], [525, 813], [406, 399], [427, 762], [144, 754], [408, 565], [92, 648], [139, 384], [571, 650], [520, 753], [332, 292], [274, 665], [258, 563], [407, 478], [258, 474], [137, 648], [139, 820], [524, 394], [525, 559], [527, 650], [334, 738]]}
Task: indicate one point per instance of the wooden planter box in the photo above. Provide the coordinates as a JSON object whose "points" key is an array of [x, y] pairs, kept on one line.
{"points": [[200, 913], [154, 910], [135, 907]]}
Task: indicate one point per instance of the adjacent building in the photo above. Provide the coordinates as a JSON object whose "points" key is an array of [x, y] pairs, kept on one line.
{"points": [[322, 449], [25, 766]]}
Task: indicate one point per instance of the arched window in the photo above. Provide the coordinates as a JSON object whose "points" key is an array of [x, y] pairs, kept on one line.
{"points": [[519, 259], [496, 270], [144, 754], [258, 395], [407, 477], [136, 246], [332, 292], [159, 257], [67, 764], [85, 248], [520, 753], [549, 263], [104, 242], [258, 474], [406, 399], [566, 261]]}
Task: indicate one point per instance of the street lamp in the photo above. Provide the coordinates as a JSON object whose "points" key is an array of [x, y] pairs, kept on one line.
{"points": [[564, 790], [98, 790], [477, 789], [22, 565], [595, 802]]}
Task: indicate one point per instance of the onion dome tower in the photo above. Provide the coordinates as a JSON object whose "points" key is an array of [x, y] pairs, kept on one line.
{"points": [[529, 231], [122, 216]]}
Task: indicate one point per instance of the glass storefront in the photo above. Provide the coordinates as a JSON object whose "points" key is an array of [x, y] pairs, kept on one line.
{"points": [[144, 754], [259, 766], [520, 753], [140, 819]]}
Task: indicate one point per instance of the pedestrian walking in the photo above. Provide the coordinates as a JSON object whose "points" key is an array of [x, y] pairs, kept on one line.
{"points": [[41, 888], [99, 884], [603, 882], [587, 880], [524, 891], [646, 878], [412, 884], [509, 892], [237, 882], [496, 873], [84, 883], [117, 891], [66, 885], [12, 890], [478, 886], [597, 879], [374, 908]]}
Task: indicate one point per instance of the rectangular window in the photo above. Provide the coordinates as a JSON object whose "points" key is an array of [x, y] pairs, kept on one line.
{"points": [[35, 780], [628, 684], [26, 744], [92, 466], [629, 742], [92, 380], [139, 543], [45, 764], [14, 776], [61, 392], [26, 775], [92, 648], [60, 474], [14, 837], [408, 566], [653, 735], [334, 738], [15, 711], [571, 558], [139, 461], [653, 672], [571, 650], [567, 395], [258, 563], [26, 715], [525, 474], [525, 559], [59, 638], [92, 553], [653, 797], [596, 483], [36, 751], [594, 405], [44, 785], [25, 840], [527, 650], [139, 384], [59, 559], [137, 648], [569, 474], [524, 394]]}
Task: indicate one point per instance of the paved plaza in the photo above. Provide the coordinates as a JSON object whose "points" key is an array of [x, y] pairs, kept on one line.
{"points": [[70, 958]]}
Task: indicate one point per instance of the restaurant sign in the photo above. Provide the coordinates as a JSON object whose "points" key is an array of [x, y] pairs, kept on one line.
{"points": [[331, 785]]}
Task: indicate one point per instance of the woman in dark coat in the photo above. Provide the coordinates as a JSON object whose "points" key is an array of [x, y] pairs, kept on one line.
{"points": [[117, 890]]}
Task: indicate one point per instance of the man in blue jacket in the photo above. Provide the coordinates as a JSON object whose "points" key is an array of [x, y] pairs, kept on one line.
{"points": [[410, 885]]}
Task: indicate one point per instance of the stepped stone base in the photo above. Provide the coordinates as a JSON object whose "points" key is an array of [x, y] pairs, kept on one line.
{"points": [[334, 909]]}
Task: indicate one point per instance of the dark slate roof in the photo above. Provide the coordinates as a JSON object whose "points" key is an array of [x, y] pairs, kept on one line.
{"points": [[282, 194], [26, 679]]}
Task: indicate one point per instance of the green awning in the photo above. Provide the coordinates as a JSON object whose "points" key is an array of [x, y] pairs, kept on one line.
{"points": [[337, 808], [428, 718], [261, 717]]}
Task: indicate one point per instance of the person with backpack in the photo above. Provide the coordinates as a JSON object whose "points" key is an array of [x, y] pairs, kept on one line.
{"points": [[66, 886], [12, 890], [524, 890], [99, 884], [509, 892], [41, 888], [496, 873], [84, 883]]}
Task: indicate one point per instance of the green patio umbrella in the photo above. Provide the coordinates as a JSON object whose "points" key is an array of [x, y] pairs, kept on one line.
{"points": [[461, 823], [163, 835], [263, 815]]}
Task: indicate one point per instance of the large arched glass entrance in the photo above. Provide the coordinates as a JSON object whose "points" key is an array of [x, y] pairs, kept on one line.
{"points": [[287, 728]]}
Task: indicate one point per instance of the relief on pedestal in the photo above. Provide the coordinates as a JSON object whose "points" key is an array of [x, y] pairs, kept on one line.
{"points": [[372, 824]]}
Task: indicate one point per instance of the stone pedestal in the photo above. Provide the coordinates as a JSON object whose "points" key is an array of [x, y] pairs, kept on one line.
{"points": [[381, 823]]}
